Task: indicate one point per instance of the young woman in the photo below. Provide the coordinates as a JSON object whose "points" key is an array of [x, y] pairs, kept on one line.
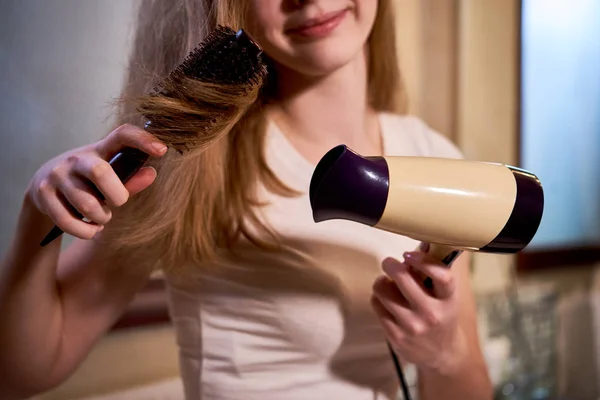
{"points": [[267, 304]]}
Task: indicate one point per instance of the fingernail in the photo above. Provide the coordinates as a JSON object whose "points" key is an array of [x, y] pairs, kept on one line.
{"points": [[159, 147]]}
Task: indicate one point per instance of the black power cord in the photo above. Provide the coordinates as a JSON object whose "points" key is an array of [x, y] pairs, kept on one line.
{"points": [[400, 374]]}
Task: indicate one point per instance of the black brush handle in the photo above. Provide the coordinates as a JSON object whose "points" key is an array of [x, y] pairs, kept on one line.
{"points": [[125, 164]]}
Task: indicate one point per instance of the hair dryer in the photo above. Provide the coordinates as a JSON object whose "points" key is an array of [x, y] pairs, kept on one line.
{"points": [[452, 204]]}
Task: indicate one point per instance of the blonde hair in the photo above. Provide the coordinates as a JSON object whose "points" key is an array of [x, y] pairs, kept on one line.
{"points": [[200, 206]]}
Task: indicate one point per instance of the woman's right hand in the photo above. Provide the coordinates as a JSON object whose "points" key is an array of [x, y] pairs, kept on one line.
{"points": [[72, 181]]}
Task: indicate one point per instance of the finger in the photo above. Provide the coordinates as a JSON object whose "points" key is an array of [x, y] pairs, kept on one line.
{"points": [[444, 284], [141, 180], [387, 321], [410, 289], [396, 336], [61, 214], [102, 176], [386, 291], [84, 199], [130, 136]]}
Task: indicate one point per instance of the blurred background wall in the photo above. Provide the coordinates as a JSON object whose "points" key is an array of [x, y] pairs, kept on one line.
{"points": [[62, 64]]}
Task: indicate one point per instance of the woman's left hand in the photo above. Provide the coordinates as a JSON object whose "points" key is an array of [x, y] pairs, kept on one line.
{"points": [[421, 324]]}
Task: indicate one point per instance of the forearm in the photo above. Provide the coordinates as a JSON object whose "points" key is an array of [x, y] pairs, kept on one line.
{"points": [[468, 381], [55, 305], [30, 326]]}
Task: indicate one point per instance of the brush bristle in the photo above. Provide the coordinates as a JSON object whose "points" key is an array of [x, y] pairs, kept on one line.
{"points": [[208, 92], [223, 58]]}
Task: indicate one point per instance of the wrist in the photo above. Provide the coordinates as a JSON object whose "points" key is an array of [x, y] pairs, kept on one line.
{"points": [[456, 357], [460, 373], [32, 222], [29, 204]]}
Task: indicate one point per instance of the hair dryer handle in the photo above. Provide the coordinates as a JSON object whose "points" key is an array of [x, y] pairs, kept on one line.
{"points": [[445, 254]]}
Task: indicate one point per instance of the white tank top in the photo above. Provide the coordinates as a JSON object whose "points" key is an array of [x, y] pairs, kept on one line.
{"points": [[297, 325]]}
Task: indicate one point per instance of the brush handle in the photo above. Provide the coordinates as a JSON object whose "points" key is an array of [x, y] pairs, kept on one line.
{"points": [[125, 164]]}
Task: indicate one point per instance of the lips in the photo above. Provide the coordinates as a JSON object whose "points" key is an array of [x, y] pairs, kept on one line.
{"points": [[318, 26]]}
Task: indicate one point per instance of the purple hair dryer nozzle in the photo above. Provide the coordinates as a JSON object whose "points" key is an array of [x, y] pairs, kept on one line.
{"points": [[346, 185]]}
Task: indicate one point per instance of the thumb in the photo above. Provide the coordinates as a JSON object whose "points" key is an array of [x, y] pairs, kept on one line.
{"points": [[141, 180]]}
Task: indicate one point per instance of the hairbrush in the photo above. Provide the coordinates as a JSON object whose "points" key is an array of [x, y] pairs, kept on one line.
{"points": [[198, 102]]}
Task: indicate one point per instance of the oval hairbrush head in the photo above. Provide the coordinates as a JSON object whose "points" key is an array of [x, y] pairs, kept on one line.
{"points": [[207, 93]]}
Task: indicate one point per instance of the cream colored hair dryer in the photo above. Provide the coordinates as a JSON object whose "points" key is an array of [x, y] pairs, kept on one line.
{"points": [[452, 204]]}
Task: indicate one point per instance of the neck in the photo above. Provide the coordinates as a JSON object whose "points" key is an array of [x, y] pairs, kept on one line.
{"points": [[317, 114]]}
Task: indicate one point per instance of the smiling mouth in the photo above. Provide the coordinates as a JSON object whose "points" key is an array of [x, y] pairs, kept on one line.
{"points": [[320, 26]]}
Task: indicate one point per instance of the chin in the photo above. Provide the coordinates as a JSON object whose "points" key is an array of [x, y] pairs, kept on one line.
{"points": [[321, 57], [322, 60]]}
